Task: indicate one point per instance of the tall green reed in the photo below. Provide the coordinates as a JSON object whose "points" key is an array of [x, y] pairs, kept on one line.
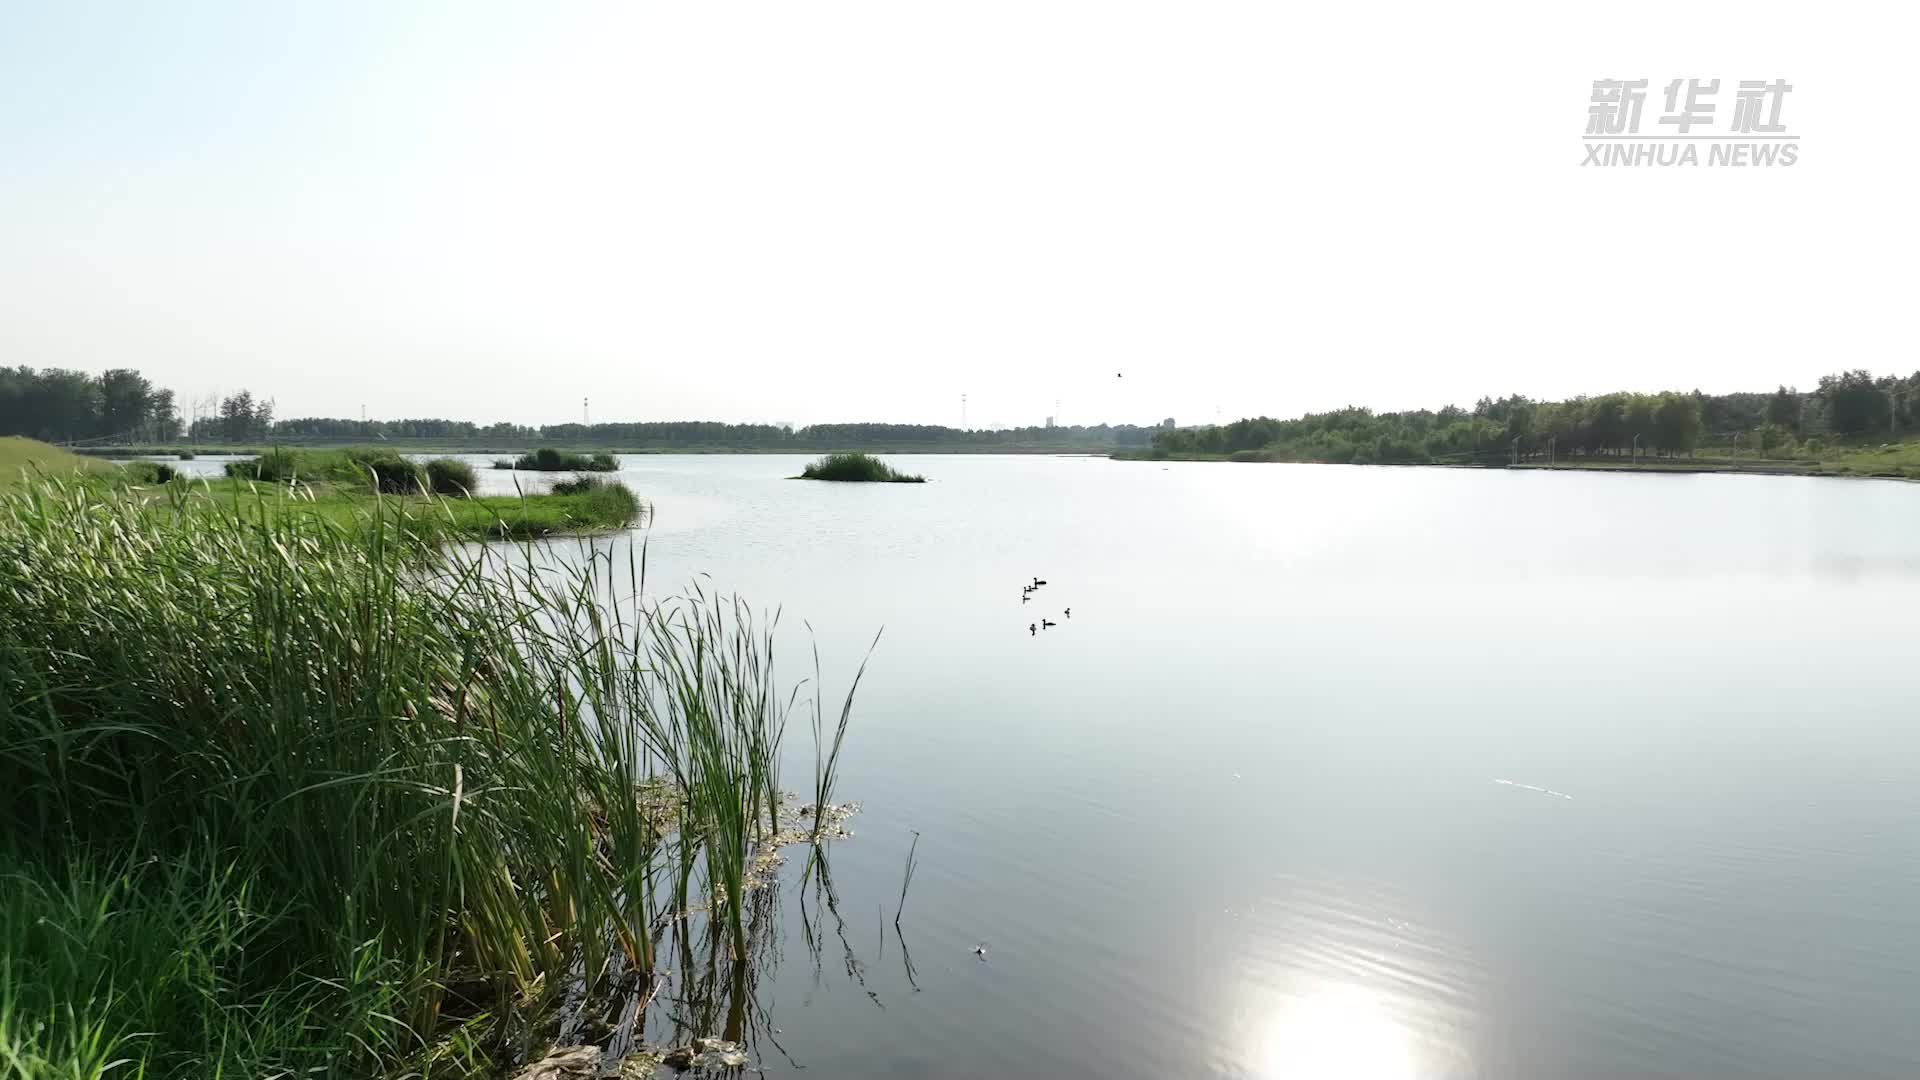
{"points": [[420, 792]]}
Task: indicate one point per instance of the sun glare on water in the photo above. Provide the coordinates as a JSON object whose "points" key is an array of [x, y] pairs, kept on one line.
{"points": [[1336, 1033]]}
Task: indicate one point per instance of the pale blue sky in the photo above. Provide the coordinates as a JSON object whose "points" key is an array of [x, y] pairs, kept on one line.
{"points": [[861, 210]]}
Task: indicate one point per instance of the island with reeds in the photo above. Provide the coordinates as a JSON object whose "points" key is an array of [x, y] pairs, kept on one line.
{"points": [[294, 788], [856, 467], [549, 459]]}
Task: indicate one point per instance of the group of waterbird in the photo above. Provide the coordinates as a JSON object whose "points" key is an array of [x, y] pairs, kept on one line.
{"points": [[1026, 594]]}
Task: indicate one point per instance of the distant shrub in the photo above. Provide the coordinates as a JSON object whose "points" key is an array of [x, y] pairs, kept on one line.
{"points": [[184, 455], [857, 468], [149, 472], [274, 466], [578, 485], [450, 476], [394, 474]]}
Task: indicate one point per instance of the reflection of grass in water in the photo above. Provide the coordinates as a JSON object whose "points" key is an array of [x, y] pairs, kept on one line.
{"points": [[906, 879]]}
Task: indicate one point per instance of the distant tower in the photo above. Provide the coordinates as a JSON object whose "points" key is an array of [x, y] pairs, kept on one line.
{"points": [[963, 412], [1049, 421], [586, 414]]}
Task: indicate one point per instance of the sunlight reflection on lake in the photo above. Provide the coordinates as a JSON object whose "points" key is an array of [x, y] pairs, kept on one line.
{"points": [[1333, 1032]]}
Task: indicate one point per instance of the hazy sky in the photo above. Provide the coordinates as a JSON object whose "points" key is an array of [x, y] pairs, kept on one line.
{"points": [[812, 211]]}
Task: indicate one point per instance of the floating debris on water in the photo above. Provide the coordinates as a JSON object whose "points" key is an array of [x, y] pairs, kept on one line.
{"points": [[642, 1064], [799, 827], [980, 950], [704, 1055], [1530, 787]]}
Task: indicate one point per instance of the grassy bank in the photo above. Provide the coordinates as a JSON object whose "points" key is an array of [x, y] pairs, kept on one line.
{"points": [[371, 467], [493, 517], [280, 797], [22, 459], [354, 485], [856, 467]]}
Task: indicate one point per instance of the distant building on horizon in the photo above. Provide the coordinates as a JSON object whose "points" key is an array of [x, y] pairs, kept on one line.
{"points": [[1049, 421]]}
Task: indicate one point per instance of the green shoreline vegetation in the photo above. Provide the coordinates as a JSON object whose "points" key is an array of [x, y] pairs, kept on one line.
{"points": [[286, 795], [1845, 427], [856, 467], [430, 498], [29, 457]]}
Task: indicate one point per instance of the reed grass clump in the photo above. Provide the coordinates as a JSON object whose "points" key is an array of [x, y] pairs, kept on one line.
{"points": [[149, 472], [284, 795], [578, 485], [857, 467], [451, 477]]}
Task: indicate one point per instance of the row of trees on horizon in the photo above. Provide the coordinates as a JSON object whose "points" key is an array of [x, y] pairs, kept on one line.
{"points": [[122, 406], [1850, 405]]}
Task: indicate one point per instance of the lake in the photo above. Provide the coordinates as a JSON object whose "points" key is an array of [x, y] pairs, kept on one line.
{"points": [[1340, 772]]}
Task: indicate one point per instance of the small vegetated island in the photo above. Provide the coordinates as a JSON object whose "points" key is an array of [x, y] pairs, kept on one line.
{"points": [[355, 485], [856, 468], [548, 459]]}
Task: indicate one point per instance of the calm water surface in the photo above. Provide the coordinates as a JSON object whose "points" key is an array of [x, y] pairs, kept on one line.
{"points": [[1343, 772]]}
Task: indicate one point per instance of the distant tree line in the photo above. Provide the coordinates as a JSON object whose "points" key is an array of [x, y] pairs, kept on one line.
{"points": [[1849, 405], [678, 434], [58, 405], [122, 406]]}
